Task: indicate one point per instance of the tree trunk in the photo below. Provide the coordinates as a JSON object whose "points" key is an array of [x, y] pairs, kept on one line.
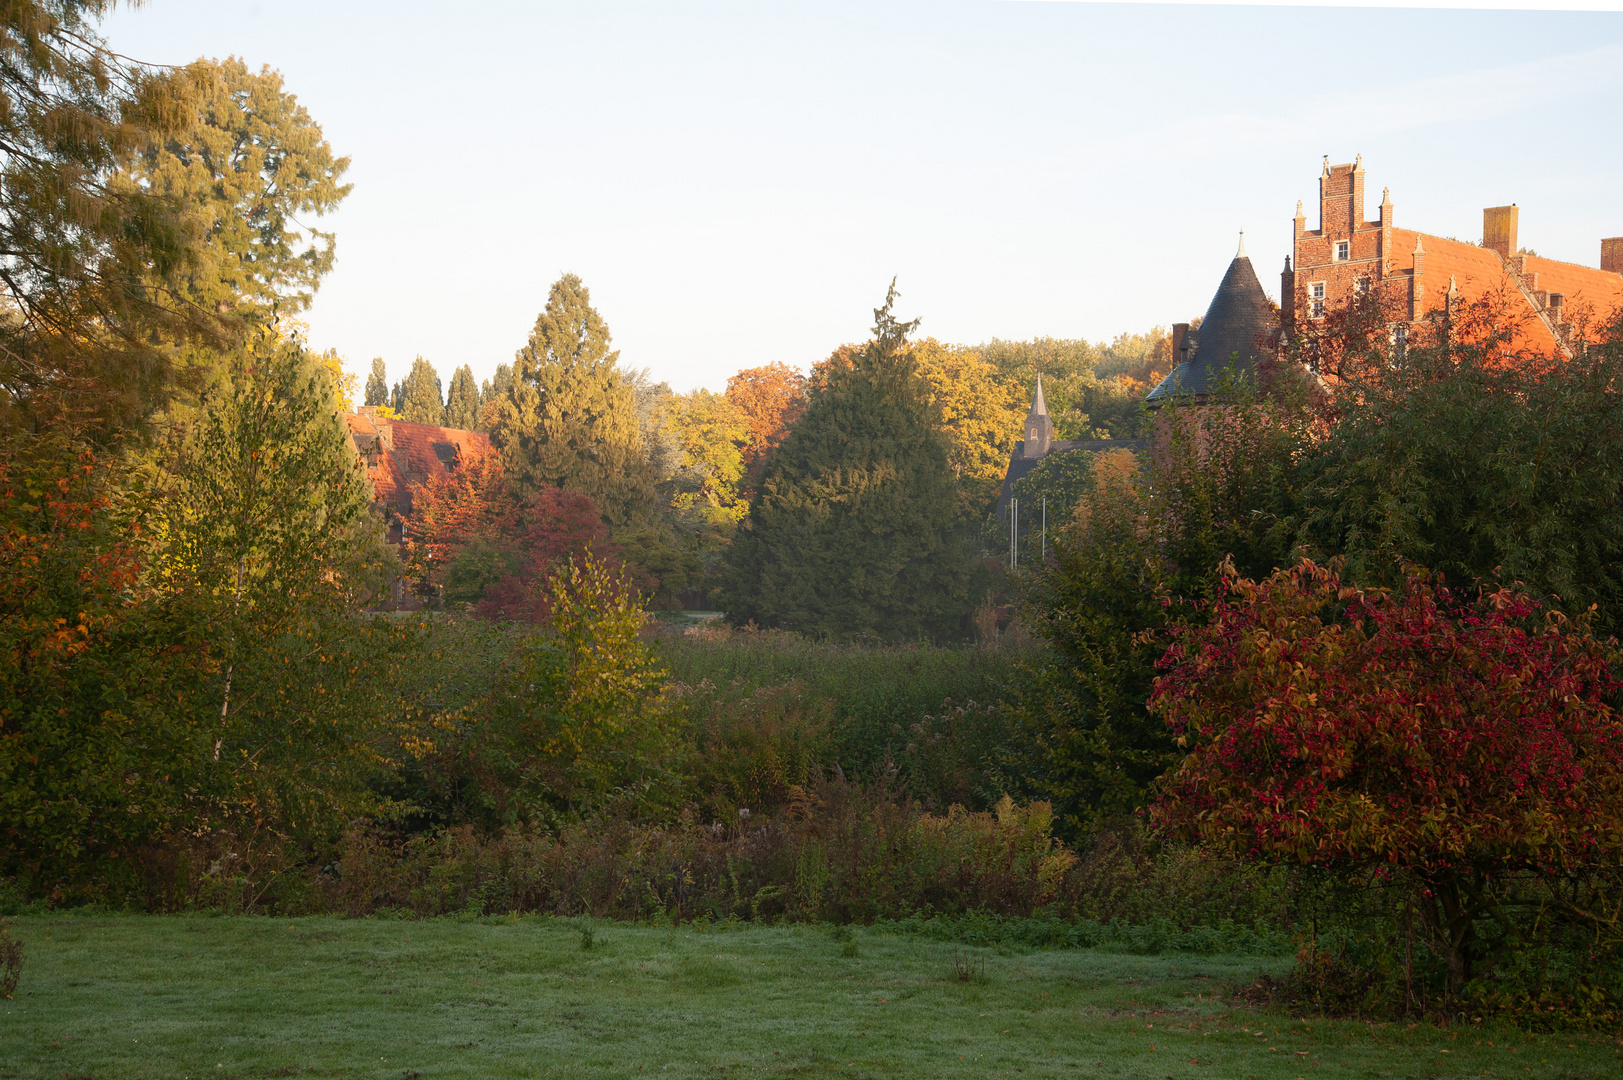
{"points": [[1452, 915]]}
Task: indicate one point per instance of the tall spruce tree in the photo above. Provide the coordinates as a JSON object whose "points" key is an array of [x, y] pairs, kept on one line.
{"points": [[421, 400], [855, 530], [462, 402], [569, 419], [377, 383]]}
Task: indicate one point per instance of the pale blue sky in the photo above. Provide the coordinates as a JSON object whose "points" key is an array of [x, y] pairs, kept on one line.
{"points": [[737, 182]]}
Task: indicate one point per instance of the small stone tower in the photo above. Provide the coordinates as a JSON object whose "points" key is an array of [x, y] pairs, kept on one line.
{"points": [[1039, 428]]}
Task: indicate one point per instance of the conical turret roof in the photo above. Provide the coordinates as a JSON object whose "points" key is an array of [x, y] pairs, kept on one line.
{"points": [[1232, 335], [1039, 407]]}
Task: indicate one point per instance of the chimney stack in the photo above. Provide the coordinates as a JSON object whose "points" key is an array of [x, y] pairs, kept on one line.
{"points": [[1499, 229], [1180, 336], [1611, 254]]}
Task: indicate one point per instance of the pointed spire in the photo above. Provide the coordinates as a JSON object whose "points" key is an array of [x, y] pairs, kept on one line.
{"points": [[1299, 208], [1419, 247], [1241, 253], [1386, 196], [1039, 407], [1358, 165]]}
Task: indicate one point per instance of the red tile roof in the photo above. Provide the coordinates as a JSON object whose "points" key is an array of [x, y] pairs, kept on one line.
{"points": [[1479, 271], [398, 454]]}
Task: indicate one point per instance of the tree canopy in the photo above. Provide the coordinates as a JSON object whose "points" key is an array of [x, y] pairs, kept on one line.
{"points": [[854, 530], [418, 398], [247, 173], [462, 401], [377, 384], [569, 418]]}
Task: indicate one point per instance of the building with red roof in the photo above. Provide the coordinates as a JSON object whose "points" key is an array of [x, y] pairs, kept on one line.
{"points": [[1419, 273], [398, 456]]}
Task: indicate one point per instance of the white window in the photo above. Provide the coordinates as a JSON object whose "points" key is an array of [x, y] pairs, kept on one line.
{"points": [[1361, 286], [1400, 342], [1343, 250], [1315, 298]]}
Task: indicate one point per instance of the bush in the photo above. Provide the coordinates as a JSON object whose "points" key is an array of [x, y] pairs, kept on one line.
{"points": [[1458, 752], [876, 692], [752, 749]]}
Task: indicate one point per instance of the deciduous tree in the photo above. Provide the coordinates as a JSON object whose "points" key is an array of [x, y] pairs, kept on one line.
{"points": [[981, 414], [585, 715], [1462, 739], [1474, 457], [771, 398]]}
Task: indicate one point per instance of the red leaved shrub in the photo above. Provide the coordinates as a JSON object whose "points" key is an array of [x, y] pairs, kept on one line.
{"points": [[1465, 741]]}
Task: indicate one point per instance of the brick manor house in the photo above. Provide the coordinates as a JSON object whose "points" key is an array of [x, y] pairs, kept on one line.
{"points": [[1348, 255]]}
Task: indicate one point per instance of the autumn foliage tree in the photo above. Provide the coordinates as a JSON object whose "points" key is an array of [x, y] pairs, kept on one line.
{"points": [[472, 536], [770, 399], [1466, 741]]}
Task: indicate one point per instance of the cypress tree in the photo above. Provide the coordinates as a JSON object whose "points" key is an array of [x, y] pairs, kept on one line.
{"points": [[377, 384], [855, 529], [421, 401], [569, 417], [462, 403]]}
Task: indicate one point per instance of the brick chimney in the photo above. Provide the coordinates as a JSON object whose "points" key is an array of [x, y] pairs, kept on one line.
{"points": [[1499, 229], [1611, 254], [1180, 336]]}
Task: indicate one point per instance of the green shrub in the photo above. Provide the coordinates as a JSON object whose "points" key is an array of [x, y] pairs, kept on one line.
{"points": [[877, 692], [752, 748]]}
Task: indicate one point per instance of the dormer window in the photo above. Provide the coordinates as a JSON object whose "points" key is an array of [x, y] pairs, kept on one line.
{"points": [[446, 452], [1343, 250]]}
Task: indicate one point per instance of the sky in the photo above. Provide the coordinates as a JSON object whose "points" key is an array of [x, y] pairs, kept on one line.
{"points": [[738, 182]]}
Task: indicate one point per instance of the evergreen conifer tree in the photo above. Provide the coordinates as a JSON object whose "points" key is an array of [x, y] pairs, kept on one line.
{"points": [[493, 388], [377, 383], [421, 400], [569, 418], [462, 403], [855, 528]]}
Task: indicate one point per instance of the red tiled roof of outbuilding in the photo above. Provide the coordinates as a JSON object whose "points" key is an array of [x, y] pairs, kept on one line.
{"points": [[398, 454]]}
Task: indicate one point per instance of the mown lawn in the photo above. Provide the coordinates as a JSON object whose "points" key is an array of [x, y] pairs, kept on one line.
{"points": [[131, 996]]}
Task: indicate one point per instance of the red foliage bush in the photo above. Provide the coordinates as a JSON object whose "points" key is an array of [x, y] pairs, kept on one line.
{"points": [[519, 540], [1460, 740], [546, 531]]}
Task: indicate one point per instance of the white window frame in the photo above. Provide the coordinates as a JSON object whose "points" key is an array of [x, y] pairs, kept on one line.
{"points": [[1337, 254], [1316, 291]]}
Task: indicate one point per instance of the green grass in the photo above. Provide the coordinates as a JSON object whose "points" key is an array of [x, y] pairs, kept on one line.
{"points": [[141, 996]]}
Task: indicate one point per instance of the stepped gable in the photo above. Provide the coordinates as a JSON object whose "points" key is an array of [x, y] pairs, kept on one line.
{"points": [[1237, 325], [397, 454], [1419, 274]]}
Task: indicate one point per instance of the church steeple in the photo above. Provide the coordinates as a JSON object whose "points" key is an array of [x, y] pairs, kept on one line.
{"points": [[1039, 428]]}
